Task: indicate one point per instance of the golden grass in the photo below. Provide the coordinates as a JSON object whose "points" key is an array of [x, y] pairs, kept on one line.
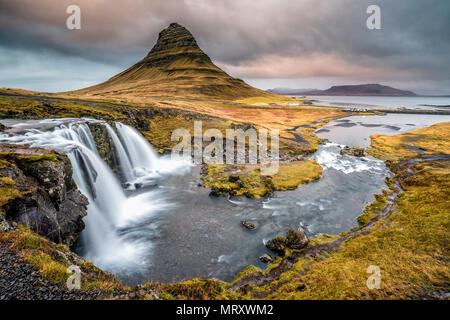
{"points": [[434, 139], [410, 246], [291, 175], [53, 260]]}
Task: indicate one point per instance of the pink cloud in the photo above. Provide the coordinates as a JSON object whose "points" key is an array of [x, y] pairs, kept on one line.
{"points": [[313, 65]]}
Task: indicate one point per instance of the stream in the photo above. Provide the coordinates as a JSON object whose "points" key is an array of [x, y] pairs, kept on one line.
{"points": [[170, 229]]}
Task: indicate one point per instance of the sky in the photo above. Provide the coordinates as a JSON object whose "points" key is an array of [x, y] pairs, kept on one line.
{"points": [[268, 43]]}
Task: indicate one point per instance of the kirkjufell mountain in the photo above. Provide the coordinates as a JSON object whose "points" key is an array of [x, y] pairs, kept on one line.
{"points": [[176, 67]]}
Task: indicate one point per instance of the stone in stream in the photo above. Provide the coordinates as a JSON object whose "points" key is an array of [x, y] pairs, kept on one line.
{"points": [[248, 225], [265, 258], [355, 151], [278, 245], [295, 239]]}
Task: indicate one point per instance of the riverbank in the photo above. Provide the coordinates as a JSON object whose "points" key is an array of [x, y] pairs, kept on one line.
{"points": [[413, 260], [279, 280]]}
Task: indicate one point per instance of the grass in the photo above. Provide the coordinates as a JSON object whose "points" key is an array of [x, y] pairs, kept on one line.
{"points": [[410, 245], [193, 289], [238, 180], [293, 174], [433, 139], [53, 260]]}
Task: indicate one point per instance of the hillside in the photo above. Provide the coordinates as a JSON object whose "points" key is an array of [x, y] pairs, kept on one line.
{"points": [[176, 67], [361, 90]]}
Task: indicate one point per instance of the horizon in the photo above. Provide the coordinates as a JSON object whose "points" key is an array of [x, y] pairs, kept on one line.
{"points": [[38, 52]]}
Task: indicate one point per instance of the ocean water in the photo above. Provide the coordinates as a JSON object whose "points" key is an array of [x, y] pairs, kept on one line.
{"points": [[374, 102]]}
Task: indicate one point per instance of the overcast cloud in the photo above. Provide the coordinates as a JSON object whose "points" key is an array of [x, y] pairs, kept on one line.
{"points": [[268, 43]]}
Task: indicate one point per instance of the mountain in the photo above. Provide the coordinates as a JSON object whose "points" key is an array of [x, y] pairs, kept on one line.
{"points": [[361, 90], [175, 67]]}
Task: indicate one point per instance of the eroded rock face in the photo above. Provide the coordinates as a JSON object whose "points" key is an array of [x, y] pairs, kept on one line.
{"points": [[37, 191]]}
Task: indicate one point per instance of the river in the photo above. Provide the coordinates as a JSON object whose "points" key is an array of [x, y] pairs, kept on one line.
{"points": [[170, 229]]}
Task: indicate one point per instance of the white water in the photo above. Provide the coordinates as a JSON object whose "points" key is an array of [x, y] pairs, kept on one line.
{"points": [[110, 210], [329, 158]]}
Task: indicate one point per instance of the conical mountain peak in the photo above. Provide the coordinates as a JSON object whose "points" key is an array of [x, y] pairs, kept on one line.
{"points": [[175, 67], [174, 36]]}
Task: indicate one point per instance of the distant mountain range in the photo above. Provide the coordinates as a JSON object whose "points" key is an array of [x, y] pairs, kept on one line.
{"points": [[348, 90]]}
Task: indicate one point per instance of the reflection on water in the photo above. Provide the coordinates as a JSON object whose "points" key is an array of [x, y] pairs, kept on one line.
{"points": [[356, 131], [378, 102]]}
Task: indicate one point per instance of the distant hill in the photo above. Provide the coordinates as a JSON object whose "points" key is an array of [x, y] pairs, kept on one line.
{"points": [[361, 90], [176, 67]]}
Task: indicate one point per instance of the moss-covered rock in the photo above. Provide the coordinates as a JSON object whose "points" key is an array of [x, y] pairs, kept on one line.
{"points": [[37, 191]]}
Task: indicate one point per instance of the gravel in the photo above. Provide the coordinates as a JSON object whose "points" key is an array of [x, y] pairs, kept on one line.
{"points": [[22, 281]]}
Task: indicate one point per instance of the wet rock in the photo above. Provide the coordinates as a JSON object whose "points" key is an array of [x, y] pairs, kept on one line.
{"points": [[355, 152], [248, 225], [277, 245], [215, 192], [296, 239], [265, 258], [46, 199]]}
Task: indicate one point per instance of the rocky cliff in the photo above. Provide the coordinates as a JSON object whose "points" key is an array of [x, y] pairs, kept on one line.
{"points": [[37, 191]]}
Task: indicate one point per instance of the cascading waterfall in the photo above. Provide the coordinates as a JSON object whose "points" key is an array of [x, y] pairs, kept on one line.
{"points": [[124, 160], [109, 210]]}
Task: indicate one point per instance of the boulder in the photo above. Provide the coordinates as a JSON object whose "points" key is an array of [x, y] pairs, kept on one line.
{"points": [[248, 225], [296, 239], [277, 245], [353, 151], [265, 258], [40, 193]]}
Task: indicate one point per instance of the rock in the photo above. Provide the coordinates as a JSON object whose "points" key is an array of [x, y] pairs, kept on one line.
{"points": [[296, 239], [215, 192], [355, 151], [277, 245], [265, 258], [301, 287], [5, 226], [248, 225], [46, 199]]}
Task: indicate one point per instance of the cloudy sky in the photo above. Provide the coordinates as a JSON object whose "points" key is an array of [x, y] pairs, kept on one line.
{"points": [[268, 43]]}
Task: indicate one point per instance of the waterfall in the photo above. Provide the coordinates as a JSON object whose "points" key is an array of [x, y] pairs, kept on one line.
{"points": [[110, 210], [139, 151], [124, 159]]}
